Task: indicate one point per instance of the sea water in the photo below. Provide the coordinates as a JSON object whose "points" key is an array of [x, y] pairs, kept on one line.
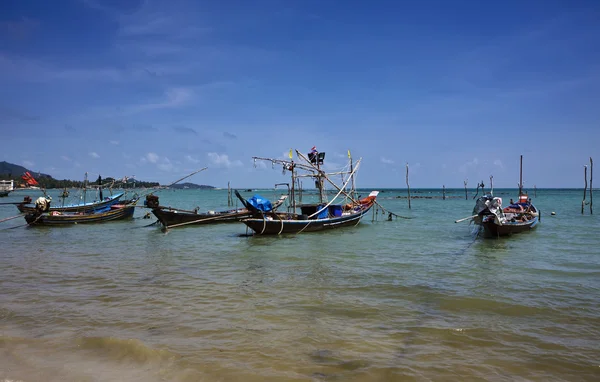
{"points": [[419, 297]]}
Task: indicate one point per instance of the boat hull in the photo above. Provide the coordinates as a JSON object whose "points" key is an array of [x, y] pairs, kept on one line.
{"points": [[276, 225], [491, 229], [51, 219], [87, 207], [169, 218]]}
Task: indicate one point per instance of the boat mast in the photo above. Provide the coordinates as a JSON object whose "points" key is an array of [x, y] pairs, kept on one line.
{"points": [[352, 192], [292, 168], [319, 178], [85, 187], [100, 186], [521, 177]]}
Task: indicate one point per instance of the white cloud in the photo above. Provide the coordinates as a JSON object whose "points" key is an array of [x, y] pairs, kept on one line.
{"points": [[223, 160], [116, 143], [498, 163], [165, 165], [191, 159], [465, 167], [386, 161], [65, 158], [162, 163], [151, 157], [93, 154]]}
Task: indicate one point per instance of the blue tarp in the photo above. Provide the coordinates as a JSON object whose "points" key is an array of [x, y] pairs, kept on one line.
{"points": [[260, 203], [323, 214]]}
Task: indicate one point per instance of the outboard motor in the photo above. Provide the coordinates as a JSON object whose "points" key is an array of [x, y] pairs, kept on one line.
{"points": [[151, 201]]}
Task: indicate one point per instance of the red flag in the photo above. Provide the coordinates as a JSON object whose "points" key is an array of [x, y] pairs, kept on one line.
{"points": [[29, 179]]}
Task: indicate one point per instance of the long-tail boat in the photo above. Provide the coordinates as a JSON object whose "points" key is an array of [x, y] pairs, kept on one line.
{"points": [[495, 221], [109, 213], [175, 217], [26, 206], [323, 215]]}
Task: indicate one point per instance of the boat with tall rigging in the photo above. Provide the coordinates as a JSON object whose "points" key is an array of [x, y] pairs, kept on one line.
{"points": [[343, 210]]}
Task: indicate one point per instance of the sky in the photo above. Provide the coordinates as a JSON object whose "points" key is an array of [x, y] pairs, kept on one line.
{"points": [[158, 89]]}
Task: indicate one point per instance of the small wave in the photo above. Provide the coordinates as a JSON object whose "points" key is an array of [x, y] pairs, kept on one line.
{"points": [[125, 350]]}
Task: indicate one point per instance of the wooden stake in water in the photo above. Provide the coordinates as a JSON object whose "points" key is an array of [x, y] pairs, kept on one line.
{"points": [[229, 199], [491, 185], [466, 193], [444, 192], [591, 175], [534, 191], [407, 186], [584, 188]]}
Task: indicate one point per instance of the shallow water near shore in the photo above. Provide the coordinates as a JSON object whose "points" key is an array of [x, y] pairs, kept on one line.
{"points": [[408, 299]]}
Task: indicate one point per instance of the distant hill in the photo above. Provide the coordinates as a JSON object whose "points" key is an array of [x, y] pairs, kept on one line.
{"points": [[191, 186], [15, 171]]}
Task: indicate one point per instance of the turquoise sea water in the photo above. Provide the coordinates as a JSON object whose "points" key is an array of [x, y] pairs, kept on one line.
{"points": [[407, 299]]}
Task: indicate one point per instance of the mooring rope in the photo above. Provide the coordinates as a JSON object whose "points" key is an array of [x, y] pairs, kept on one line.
{"points": [[391, 213]]}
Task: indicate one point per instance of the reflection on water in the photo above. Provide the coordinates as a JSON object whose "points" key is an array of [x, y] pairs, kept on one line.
{"points": [[399, 300]]}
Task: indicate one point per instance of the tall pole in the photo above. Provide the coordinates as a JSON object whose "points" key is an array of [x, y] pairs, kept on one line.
{"points": [[521, 176], [492, 185], [229, 200], [84, 188], [320, 179], [351, 172], [591, 175], [466, 193], [584, 188], [407, 186]]}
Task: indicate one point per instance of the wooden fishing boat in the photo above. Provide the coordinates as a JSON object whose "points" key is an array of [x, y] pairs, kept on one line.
{"points": [[323, 215], [496, 221], [26, 206], [313, 217], [174, 217], [109, 213]]}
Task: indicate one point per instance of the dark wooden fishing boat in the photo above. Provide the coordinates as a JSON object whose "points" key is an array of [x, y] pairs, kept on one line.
{"points": [[313, 217], [496, 221], [109, 213], [174, 217]]}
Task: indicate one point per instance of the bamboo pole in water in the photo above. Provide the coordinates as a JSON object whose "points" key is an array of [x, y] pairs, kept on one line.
{"points": [[466, 192], [444, 192], [408, 186], [534, 191], [229, 200], [584, 188], [591, 175]]}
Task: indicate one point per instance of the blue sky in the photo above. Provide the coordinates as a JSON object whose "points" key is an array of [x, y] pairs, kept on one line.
{"points": [[157, 89]]}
